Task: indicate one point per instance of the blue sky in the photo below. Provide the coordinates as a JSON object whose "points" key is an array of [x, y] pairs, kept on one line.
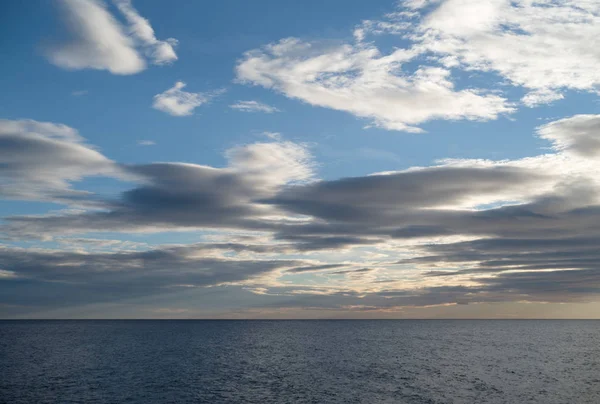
{"points": [[231, 146]]}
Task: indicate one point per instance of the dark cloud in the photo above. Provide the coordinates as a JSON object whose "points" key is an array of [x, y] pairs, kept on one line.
{"points": [[567, 211], [378, 197], [353, 271], [63, 278], [499, 254], [314, 268]]}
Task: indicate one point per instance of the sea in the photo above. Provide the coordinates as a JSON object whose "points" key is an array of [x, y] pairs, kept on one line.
{"points": [[304, 361]]}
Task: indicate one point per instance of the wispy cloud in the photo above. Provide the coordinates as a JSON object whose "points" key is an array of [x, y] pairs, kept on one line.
{"points": [[360, 80], [177, 102], [161, 52], [272, 135], [253, 106]]}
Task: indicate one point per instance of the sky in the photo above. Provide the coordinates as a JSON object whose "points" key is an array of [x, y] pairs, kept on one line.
{"points": [[300, 159]]}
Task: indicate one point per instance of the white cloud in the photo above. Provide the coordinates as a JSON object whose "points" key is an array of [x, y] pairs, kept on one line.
{"points": [[7, 274], [161, 52], [177, 102], [146, 142], [360, 80], [417, 4], [541, 97], [543, 45], [272, 135], [272, 164], [101, 42], [50, 130], [253, 106]]}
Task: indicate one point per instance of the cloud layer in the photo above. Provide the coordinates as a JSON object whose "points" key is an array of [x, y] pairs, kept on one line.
{"points": [[461, 231], [456, 232]]}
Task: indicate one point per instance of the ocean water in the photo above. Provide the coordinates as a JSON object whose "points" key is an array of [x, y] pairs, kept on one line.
{"points": [[405, 361]]}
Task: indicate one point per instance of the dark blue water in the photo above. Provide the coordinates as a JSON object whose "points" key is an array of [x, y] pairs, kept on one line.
{"points": [[300, 362]]}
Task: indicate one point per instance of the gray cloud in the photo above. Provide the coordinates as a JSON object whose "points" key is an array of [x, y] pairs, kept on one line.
{"points": [[384, 196], [579, 134], [475, 231], [313, 268], [63, 278], [178, 195], [39, 160], [493, 255], [353, 271]]}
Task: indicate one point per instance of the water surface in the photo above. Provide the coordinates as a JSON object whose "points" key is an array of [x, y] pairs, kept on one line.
{"points": [[379, 361]]}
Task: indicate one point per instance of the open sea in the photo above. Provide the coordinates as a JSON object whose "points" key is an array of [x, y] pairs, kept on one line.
{"points": [[338, 361]]}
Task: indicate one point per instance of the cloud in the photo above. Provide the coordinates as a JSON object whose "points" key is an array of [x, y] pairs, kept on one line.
{"points": [[39, 160], [579, 134], [180, 195], [60, 278], [90, 244], [494, 201], [273, 164], [253, 106], [460, 231], [360, 80], [161, 52], [177, 102], [541, 97], [99, 41], [275, 180], [272, 135], [500, 254], [417, 4], [313, 268], [543, 46], [364, 198], [146, 142]]}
